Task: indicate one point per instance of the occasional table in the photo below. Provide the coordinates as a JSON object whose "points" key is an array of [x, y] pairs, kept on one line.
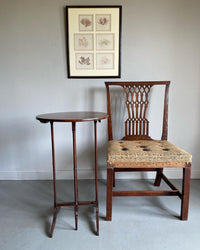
{"points": [[73, 117]]}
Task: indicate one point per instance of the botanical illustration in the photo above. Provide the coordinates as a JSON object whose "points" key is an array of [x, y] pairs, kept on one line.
{"points": [[105, 61], [105, 41], [103, 22], [85, 22], [84, 61], [83, 41]]}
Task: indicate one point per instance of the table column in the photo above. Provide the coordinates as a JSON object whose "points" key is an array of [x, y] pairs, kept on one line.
{"points": [[75, 176]]}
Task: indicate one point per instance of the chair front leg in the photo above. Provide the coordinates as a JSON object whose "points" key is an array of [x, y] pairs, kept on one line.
{"points": [[113, 178], [109, 193], [185, 191], [158, 177]]}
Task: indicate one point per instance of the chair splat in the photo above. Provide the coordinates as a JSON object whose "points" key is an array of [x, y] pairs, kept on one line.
{"points": [[137, 125]]}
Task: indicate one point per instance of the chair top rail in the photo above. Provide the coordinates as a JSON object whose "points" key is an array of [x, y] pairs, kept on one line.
{"points": [[138, 83]]}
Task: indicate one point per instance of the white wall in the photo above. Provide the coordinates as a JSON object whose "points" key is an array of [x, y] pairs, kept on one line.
{"points": [[160, 41]]}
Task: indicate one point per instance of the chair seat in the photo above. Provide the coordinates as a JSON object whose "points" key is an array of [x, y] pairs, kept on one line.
{"points": [[146, 153]]}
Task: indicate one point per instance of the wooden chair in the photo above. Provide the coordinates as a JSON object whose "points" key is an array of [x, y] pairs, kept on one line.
{"points": [[137, 151]]}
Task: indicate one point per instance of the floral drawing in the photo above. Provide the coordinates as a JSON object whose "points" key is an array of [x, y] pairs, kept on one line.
{"points": [[105, 60], [86, 22], [83, 42], [84, 60], [103, 21], [104, 42]]}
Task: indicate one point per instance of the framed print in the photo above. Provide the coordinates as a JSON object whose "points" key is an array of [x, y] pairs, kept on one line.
{"points": [[84, 61], [103, 22], [105, 41], [85, 22], [105, 61], [83, 42], [93, 41]]}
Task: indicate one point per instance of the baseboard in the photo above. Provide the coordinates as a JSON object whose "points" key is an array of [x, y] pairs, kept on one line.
{"points": [[44, 175], [89, 174]]}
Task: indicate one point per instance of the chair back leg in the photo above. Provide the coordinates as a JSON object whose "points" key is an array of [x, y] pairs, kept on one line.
{"points": [[158, 177]]}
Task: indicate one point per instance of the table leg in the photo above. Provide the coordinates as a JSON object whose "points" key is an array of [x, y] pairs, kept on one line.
{"points": [[56, 209], [96, 178], [75, 176]]}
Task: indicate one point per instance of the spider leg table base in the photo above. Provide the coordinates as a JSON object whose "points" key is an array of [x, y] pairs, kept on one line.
{"points": [[66, 204], [73, 117]]}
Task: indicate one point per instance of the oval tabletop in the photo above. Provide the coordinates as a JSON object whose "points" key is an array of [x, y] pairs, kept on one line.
{"points": [[71, 117]]}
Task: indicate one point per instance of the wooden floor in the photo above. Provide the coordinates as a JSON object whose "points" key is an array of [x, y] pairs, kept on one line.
{"points": [[26, 210]]}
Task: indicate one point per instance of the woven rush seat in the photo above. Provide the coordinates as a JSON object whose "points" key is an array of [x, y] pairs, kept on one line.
{"points": [[121, 152]]}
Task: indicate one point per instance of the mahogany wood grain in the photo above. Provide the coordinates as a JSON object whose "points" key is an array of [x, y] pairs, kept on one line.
{"points": [[56, 210], [145, 193], [165, 114], [185, 191], [171, 185], [53, 164], [135, 169], [72, 203], [96, 177], [109, 194], [110, 133], [71, 117], [75, 176], [158, 177]]}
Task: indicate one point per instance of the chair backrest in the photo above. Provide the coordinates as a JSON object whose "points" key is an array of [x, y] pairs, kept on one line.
{"points": [[136, 102]]}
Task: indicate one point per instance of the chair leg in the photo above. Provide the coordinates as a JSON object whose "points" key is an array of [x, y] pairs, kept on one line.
{"points": [[158, 177], [185, 191], [113, 178], [109, 193]]}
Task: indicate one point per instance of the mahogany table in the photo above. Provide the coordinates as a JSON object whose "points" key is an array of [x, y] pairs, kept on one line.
{"points": [[73, 117]]}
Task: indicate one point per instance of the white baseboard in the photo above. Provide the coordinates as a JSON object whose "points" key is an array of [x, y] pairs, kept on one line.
{"points": [[89, 174], [44, 175]]}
